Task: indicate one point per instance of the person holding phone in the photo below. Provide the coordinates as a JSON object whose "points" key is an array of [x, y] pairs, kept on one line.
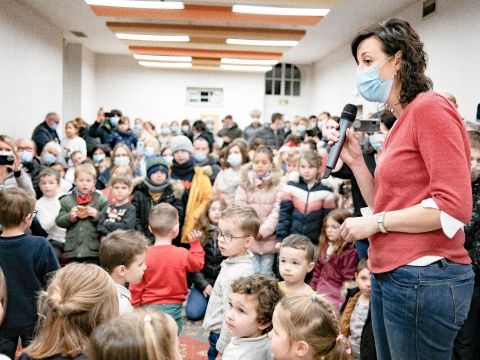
{"points": [[420, 198], [11, 172]]}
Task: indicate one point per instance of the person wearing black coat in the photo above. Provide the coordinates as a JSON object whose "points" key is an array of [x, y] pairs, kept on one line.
{"points": [[46, 132]]}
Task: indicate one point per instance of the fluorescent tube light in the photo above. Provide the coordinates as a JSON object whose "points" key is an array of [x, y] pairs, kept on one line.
{"points": [[245, 68], [273, 10], [162, 5], [165, 64], [262, 42], [233, 61], [149, 37], [163, 58]]}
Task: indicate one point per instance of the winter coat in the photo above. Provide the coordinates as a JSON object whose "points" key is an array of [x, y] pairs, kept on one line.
{"points": [[89, 140], [42, 135], [273, 139], [211, 167], [266, 201], [330, 274], [81, 239], [143, 203], [199, 194], [213, 261], [118, 137], [23, 181], [226, 184], [232, 132], [101, 130], [302, 210], [367, 342], [33, 169], [250, 132]]}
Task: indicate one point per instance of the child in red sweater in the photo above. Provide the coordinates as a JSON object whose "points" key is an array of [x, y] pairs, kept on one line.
{"points": [[164, 283]]}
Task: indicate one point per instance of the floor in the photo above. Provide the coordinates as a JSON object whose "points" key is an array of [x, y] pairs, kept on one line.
{"points": [[193, 341]]}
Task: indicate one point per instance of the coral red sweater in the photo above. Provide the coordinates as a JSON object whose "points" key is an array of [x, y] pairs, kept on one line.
{"points": [[426, 155], [165, 280]]}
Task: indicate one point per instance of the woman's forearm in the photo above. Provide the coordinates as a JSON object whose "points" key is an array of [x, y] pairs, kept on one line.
{"points": [[415, 219]]}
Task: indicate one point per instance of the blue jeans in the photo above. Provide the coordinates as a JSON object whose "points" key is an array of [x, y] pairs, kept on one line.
{"points": [[196, 304], [418, 310], [212, 349], [263, 264]]}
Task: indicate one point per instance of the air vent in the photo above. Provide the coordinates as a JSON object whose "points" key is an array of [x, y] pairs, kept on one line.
{"points": [[428, 8], [79, 34]]}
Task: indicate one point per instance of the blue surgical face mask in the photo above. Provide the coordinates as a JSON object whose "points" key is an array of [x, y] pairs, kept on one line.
{"points": [[165, 131], [114, 121], [174, 129], [149, 151], [300, 129], [48, 158], [371, 86], [377, 140], [121, 160], [26, 156], [234, 159], [168, 159], [54, 126], [200, 156], [98, 157]]}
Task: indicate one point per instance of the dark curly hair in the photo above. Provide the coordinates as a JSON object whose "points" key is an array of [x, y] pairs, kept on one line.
{"points": [[267, 293], [398, 35]]}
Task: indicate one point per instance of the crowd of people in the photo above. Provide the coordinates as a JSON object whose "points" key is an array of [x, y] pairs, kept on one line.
{"points": [[117, 230]]}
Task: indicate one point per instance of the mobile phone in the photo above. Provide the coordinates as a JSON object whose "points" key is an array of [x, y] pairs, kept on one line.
{"points": [[370, 125], [7, 159]]}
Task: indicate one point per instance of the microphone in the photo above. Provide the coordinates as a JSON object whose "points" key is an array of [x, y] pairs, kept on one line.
{"points": [[346, 119]]}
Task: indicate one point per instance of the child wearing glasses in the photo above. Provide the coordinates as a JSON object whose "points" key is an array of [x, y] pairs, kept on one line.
{"points": [[239, 227], [26, 262]]}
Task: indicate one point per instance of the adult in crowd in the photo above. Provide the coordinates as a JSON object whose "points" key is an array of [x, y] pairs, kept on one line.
{"points": [[230, 130], [273, 134], [46, 131], [51, 153], [202, 149], [11, 172], [420, 197], [122, 134], [104, 125], [31, 163], [255, 124], [199, 128]]}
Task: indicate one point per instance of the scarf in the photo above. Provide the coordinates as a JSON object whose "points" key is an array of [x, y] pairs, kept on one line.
{"points": [[83, 199], [258, 181], [155, 188], [184, 171]]}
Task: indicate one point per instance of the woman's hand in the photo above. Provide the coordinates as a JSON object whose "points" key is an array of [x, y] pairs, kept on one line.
{"points": [[357, 228], [351, 151], [16, 163], [208, 290]]}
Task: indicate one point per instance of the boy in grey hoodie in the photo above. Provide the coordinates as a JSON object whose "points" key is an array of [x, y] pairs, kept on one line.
{"points": [[238, 228]]}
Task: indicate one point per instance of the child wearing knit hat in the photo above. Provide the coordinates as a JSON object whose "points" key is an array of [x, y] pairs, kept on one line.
{"points": [[156, 188]]}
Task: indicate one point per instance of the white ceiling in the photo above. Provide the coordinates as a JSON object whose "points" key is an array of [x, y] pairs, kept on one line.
{"points": [[336, 29]]}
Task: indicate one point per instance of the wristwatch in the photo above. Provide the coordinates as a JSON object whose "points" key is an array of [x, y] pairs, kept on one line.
{"points": [[381, 222]]}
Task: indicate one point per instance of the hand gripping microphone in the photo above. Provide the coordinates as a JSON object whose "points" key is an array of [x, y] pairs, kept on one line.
{"points": [[348, 115]]}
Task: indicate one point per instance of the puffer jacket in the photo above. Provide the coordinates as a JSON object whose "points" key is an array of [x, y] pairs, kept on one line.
{"points": [[302, 210], [81, 238], [143, 203], [266, 202], [213, 261], [118, 137]]}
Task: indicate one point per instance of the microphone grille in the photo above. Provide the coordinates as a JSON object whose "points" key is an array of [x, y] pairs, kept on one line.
{"points": [[349, 112]]}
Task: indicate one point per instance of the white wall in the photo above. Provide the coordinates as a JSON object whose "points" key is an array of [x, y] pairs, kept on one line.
{"points": [[451, 38], [88, 85], [72, 80], [160, 94], [30, 69]]}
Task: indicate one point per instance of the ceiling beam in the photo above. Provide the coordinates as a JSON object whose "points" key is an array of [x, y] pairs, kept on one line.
{"points": [[202, 13]]}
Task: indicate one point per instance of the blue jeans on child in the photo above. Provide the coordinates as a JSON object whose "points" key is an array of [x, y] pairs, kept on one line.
{"points": [[212, 349], [263, 264], [174, 310], [196, 304], [418, 310]]}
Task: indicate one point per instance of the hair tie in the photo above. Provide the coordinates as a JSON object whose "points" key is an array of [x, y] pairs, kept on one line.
{"points": [[340, 337], [314, 297]]}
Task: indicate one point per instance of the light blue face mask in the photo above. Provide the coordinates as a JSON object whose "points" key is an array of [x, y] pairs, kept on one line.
{"points": [[149, 151], [114, 121], [98, 157], [235, 159], [371, 86], [377, 140], [121, 160], [300, 129], [54, 126], [26, 156], [48, 158], [168, 159], [200, 156]]}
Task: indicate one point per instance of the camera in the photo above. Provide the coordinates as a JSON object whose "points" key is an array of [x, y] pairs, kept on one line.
{"points": [[7, 159], [108, 115], [369, 126]]}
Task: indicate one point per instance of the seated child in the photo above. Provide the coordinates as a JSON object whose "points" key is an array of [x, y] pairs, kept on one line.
{"points": [[306, 327], [238, 228], [122, 255], [141, 334], [121, 214], [164, 283], [65, 185], [356, 320], [26, 261], [79, 298], [79, 215], [296, 260], [48, 207], [249, 317]]}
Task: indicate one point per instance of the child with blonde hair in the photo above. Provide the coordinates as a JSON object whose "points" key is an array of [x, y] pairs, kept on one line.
{"points": [[337, 260], [79, 298], [306, 327], [140, 335]]}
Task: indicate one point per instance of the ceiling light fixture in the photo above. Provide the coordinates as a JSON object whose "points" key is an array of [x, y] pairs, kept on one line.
{"points": [[162, 5], [233, 61], [273, 10], [245, 68], [173, 65], [148, 37], [163, 58], [262, 42]]}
